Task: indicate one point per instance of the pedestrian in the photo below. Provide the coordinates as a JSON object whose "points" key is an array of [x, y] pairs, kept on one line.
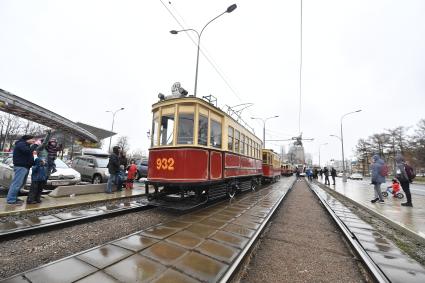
{"points": [[297, 173], [131, 175], [321, 173], [404, 179], [42, 148], [38, 181], [113, 168], [309, 173], [52, 149], [22, 161], [326, 173], [315, 172], [333, 174], [377, 177]]}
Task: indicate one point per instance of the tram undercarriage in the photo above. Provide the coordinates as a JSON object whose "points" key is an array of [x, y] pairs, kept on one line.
{"points": [[188, 196]]}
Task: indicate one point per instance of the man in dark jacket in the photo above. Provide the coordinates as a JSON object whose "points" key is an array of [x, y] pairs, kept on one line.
{"points": [[113, 168], [326, 172], [404, 179], [333, 174], [377, 178], [22, 161]]}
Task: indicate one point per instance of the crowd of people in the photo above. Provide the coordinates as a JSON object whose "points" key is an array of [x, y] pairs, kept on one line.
{"points": [[117, 166]]}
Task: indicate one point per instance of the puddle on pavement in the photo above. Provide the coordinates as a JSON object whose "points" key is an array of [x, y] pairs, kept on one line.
{"points": [[135, 243], [159, 232], [7, 226], [201, 267], [213, 223], [218, 251], [174, 277], [135, 268], [164, 252], [240, 230], [42, 220], [248, 224], [185, 239], [177, 224], [201, 231], [68, 270], [98, 277], [104, 256], [230, 239]]}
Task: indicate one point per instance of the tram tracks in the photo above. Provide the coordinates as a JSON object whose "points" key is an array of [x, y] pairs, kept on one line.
{"points": [[383, 259]]}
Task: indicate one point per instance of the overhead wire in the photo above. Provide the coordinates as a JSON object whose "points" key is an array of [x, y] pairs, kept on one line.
{"points": [[204, 53]]}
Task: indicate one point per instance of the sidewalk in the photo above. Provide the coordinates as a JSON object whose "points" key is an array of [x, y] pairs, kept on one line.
{"points": [[361, 192], [61, 202]]}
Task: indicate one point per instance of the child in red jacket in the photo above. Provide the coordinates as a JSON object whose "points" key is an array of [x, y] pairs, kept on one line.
{"points": [[394, 188], [131, 175]]}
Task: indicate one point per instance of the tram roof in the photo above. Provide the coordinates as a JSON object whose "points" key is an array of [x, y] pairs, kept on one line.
{"points": [[199, 100], [20, 107]]}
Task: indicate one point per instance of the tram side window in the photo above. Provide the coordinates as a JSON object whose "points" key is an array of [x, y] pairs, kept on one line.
{"points": [[154, 135], [185, 131], [167, 129], [203, 130], [237, 137], [230, 139], [264, 158], [215, 134], [242, 144]]}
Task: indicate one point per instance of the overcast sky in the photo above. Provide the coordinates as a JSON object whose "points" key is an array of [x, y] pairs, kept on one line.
{"points": [[81, 58]]}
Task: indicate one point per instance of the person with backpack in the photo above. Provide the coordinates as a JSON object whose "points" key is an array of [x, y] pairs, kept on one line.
{"points": [[402, 174], [379, 171]]}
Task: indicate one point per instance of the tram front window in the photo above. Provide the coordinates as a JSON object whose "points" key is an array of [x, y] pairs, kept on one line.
{"points": [[167, 129], [185, 131], [215, 134], [203, 130], [154, 135]]}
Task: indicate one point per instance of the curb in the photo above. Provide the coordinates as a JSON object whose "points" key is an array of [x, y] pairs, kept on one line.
{"points": [[387, 220]]}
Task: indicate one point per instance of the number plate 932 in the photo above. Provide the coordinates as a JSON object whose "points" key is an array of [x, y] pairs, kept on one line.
{"points": [[165, 164]]}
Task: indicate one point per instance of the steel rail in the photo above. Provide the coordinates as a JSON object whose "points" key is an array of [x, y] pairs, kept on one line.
{"points": [[77, 220], [236, 264], [373, 268]]}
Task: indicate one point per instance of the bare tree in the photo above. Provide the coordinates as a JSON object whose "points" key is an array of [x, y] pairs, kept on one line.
{"points": [[123, 143]]}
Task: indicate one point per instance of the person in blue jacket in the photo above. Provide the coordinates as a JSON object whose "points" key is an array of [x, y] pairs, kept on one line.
{"points": [[23, 159], [39, 177], [377, 178]]}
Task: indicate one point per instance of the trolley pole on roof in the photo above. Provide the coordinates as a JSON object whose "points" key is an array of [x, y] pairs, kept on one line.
{"points": [[264, 127], [112, 128], [229, 9]]}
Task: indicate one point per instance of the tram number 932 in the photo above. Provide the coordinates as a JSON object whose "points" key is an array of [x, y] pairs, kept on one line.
{"points": [[165, 164]]}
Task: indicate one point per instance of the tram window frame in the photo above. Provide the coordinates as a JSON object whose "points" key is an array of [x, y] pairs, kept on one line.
{"points": [[216, 126], [242, 148], [265, 158], [237, 141], [187, 129], [230, 133], [169, 134], [154, 133], [202, 129]]}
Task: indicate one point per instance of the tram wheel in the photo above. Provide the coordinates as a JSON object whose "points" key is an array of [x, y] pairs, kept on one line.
{"points": [[253, 185], [231, 191]]}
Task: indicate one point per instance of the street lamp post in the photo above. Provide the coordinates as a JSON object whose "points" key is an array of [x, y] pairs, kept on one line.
{"points": [[264, 127], [319, 153], [344, 176], [229, 9], [112, 128]]}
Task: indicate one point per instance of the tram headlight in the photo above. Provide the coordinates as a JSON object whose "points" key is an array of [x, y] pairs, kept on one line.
{"points": [[161, 96]]}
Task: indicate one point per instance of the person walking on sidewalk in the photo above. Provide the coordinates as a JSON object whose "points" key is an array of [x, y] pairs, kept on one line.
{"points": [[39, 177], [326, 172], [377, 177], [22, 161], [113, 168], [404, 179], [333, 174]]}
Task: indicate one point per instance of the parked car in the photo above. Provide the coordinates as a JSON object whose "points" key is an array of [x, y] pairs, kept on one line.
{"points": [[92, 168], [356, 176], [62, 177], [142, 169]]}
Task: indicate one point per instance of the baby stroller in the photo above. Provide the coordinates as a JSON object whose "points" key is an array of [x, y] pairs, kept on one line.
{"points": [[394, 189]]}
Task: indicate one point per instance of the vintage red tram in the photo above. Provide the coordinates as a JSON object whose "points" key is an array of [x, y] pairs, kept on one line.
{"points": [[271, 165], [199, 151]]}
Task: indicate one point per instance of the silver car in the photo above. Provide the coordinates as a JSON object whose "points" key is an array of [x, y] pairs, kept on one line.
{"points": [[64, 175], [92, 169]]}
